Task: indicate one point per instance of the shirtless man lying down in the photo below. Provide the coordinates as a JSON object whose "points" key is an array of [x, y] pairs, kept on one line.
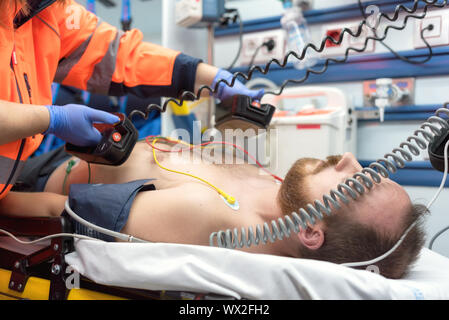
{"points": [[182, 209]]}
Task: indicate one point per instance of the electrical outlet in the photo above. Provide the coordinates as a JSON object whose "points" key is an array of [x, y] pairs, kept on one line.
{"points": [[359, 42], [335, 31], [250, 44], [335, 35], [439, 35], [251, 41]]}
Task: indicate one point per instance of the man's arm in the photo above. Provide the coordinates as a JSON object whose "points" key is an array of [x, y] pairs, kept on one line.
{"points": [[173, 215], [36, 204]]}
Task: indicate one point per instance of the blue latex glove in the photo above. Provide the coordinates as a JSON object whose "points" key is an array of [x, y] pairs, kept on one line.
{"points": [[73, 123], [224, 91]]}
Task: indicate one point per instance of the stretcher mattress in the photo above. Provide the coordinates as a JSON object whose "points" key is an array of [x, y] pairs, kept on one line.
{"points": [[201, 269]]}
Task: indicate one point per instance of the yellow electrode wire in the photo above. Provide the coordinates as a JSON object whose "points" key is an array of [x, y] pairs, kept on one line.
{"points": [[228, 198]]}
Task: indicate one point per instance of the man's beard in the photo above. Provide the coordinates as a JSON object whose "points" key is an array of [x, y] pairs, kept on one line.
{"points": [[293, 193]]}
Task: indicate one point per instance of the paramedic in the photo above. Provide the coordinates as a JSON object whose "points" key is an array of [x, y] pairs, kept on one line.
{"points": [[60, 41]]}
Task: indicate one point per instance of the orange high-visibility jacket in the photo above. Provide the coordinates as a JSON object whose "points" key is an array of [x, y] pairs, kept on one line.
{"points": [[69, 45]]}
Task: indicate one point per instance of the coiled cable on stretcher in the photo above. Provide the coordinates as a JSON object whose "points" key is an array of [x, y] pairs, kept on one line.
{"points": [[352, 188], [71, 213], [188, 95]]}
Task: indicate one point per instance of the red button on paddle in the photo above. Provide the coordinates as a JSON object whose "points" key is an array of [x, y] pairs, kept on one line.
{"points": [[116, 136]]}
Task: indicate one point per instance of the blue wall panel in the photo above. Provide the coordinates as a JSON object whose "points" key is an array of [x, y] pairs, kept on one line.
{"points": [[417, 173], [372, 66]]}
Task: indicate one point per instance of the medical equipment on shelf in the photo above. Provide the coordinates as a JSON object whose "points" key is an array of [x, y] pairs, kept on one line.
{"points": [[353, 187], [115, 146], [198, 13], [303, 4], [309, 122], [239, 112], [298, 33], [386, 94]]}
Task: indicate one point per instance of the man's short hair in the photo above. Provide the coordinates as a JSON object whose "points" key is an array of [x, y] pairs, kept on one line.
{"points": [[348, 240]]}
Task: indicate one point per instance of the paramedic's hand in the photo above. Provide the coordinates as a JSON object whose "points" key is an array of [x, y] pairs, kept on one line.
{"points": [[73, 123], [224, 91]]}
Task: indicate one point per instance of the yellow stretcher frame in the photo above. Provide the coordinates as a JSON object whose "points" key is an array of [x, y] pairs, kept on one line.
{"points": [[39, 289]]}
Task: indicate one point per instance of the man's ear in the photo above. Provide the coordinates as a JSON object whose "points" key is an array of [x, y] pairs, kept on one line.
{"points": [[312, 237]]}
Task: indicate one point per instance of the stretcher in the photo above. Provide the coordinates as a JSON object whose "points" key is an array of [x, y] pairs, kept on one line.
{"points": [[41, 272], [118, 270]]}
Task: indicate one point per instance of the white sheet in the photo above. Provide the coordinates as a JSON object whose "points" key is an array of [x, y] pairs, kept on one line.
{"points": [[201, 269]]}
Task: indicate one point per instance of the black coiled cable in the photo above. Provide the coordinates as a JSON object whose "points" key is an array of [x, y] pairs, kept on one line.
{"points": [[397, 55], [188, 95]]}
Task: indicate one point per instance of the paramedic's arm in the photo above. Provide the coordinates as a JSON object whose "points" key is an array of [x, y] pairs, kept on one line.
{"points": [[98, 58], [71, 123], [18, 121], [35, 204], [205, 75], [211, 76]]}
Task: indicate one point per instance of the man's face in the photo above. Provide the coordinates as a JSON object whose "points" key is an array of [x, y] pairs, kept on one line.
{"points": [[384, 206]]}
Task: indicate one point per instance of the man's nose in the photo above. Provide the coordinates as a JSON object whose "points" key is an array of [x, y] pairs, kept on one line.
{"points": [[348, 163]]}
